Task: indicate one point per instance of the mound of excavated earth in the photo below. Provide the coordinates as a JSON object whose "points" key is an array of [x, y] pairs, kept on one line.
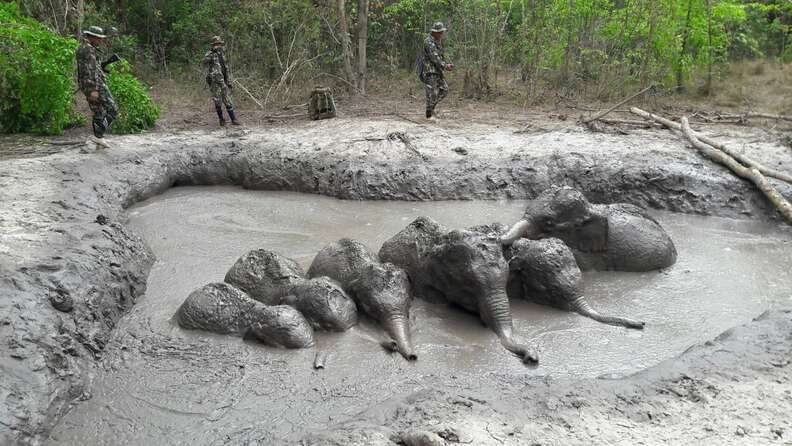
{"points": [[70, 270]]}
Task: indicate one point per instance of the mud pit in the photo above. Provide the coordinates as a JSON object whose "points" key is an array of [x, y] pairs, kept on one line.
{"points": [[65, 241], [163, 383]]}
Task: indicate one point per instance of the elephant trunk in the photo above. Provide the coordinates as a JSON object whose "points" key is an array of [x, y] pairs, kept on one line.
{"points": [[516, 231], [581, 306], [398, 327], [496, 313]]}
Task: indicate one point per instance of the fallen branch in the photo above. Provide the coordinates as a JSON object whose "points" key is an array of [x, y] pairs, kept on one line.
{"points": [[624, 101], [738, 156], [407, 141], [749, 115], [249, 93], [630, 122], [749, 173]]}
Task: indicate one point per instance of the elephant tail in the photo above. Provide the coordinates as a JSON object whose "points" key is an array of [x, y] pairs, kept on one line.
{"points": [[516, 231], [581, 306]]}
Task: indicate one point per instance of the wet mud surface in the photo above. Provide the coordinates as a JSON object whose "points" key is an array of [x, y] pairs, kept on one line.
{"points": [[162, 384], [71, 267]]}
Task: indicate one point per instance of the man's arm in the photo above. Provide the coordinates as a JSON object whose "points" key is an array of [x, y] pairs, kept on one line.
{"points": [[208, 59]]}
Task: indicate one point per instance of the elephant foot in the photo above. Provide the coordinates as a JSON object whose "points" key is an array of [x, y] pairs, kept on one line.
{"points": [[525, 353]]}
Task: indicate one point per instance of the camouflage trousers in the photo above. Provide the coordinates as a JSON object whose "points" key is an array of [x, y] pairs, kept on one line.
{"points": [[104, 111], [436, 90], [220, 94]]}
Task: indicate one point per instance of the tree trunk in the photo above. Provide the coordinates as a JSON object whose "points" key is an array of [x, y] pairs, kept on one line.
{"points": [[346, 46], [363, 8], [649, 42], [686, 33], [709, 47]]}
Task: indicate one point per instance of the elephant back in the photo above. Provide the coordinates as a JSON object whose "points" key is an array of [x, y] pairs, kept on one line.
{"points": [[637, 242]]}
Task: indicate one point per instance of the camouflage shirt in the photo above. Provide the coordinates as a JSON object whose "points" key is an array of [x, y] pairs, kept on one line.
{"points": [[218, 68], [434, 56], [90, 76]]}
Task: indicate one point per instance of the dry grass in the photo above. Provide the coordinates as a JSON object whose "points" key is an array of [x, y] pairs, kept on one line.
{"points": [[755, 85]]}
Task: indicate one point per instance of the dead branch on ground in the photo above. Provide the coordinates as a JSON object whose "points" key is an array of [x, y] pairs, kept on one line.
{"points": [[599, 115], [750, 173], [738, 156], [407, 141]]}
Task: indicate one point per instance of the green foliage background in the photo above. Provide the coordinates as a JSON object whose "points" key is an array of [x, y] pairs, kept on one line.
{"points": [[137, 112], [36, 67], [594, 48]]}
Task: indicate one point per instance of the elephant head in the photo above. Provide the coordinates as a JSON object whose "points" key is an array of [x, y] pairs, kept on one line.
{"points": [[469, 270], [380, 290], [548, 274], [619, 236]]}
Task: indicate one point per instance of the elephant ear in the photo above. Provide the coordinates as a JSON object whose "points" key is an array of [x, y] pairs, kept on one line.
{"points": [[592, 234]]}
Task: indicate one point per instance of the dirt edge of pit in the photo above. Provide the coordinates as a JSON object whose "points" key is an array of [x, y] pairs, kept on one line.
{"points": [[68, 246]]}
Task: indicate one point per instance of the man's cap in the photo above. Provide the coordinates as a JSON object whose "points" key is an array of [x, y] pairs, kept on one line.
{"points": [[216, 40], [438, 27], [95, 31]]}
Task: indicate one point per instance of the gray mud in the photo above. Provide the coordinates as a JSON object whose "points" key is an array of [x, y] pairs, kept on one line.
{"points": [[70, 268], [164, 385]]}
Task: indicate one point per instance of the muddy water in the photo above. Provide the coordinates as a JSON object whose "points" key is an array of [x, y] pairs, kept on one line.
{"points": [[165, 385]]}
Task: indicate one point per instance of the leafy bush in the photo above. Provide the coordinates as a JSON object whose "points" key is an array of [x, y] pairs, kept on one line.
{"points": [[36, 72], [136, 111]]}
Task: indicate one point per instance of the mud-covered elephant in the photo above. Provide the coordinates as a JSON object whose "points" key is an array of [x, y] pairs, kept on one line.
{"points": [[381, 290], [545, 272], [463, 268], [224, 309], [619, 237]]}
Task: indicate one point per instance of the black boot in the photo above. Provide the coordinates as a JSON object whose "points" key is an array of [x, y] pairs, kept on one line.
{"points": [[219, 111], [232, 115], [428, 113]]}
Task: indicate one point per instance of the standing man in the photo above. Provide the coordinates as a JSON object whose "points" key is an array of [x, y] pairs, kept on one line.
{"points": [[434, 63], [219, 80], [92, 82]]}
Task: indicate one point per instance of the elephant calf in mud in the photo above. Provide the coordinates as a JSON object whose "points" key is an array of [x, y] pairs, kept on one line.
{"points": [[266, 296], [618, 237], [545, 272], [224, 309], [380, 290], [463, 268]]}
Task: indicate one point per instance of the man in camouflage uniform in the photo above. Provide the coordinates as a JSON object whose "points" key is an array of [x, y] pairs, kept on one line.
{"points": [[219, 80], [92, 82], [434, 62]]}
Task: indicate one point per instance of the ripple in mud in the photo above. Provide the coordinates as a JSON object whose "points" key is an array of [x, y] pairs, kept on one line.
{"points": [[164, 385]]}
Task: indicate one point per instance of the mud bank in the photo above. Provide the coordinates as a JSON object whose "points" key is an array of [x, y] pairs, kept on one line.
{"points": [[64, 244], [734, 390], [162, 385]]}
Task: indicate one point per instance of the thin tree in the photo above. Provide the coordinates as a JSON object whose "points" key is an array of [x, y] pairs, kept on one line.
{"points": [[346, 45], [683, 51], [363, 8]]}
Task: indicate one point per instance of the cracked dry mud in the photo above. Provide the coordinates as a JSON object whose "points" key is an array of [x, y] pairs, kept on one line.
{"points": [[65, 244]]}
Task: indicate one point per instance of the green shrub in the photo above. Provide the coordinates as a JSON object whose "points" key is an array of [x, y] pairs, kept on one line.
{"points": [[136, 111], [36, 75]]}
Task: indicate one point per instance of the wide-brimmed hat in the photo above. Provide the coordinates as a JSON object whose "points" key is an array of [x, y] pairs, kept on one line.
{"points": [[95, 31], [216, 40], [438, 27]]}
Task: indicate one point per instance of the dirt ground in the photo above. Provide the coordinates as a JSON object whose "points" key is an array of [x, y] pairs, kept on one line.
{"points": [[72, 264]]}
